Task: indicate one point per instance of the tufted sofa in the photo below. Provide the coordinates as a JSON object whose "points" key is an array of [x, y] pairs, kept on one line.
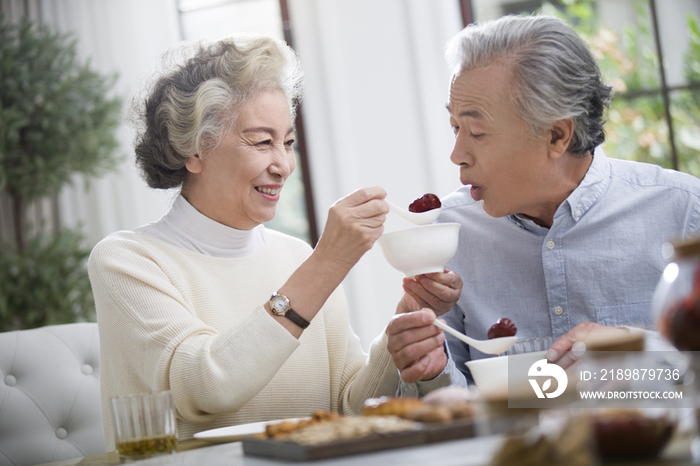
{"points": [[50, 394]]}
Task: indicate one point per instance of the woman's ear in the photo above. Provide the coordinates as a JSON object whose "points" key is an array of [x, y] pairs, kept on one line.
{"points": [[194, 164], [560, 137]]}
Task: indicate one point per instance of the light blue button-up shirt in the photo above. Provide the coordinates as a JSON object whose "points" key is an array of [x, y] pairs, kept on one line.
{"points": [[599, 262]]}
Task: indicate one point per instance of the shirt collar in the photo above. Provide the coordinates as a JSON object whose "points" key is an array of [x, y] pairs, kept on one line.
{"points": [[591, 187]]}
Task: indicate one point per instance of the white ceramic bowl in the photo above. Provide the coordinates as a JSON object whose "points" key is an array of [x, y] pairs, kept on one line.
{"points": [[422, 249], [491, 374]]}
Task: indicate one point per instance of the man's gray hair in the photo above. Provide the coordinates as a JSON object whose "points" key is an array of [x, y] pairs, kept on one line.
{"points": [[555, 73]]}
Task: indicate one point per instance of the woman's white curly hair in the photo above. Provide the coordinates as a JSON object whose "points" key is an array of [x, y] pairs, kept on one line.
{"points": [[191, 101]]}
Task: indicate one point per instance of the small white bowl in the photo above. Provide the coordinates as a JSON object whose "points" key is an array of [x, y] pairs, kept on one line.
{"points": [[422, 249], [491, 374]]}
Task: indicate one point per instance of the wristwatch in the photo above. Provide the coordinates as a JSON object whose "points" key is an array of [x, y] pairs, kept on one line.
{"points": [[279, 304]]}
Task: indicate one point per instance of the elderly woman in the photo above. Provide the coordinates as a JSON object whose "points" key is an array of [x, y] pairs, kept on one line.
{"points": [[243, 323]]}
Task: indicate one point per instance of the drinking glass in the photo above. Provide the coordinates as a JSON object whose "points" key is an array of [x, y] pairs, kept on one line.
{"points": [[144, 425]]}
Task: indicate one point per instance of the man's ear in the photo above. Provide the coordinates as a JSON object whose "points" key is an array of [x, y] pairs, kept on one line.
{"points": [[194, 164], [560, 137]]}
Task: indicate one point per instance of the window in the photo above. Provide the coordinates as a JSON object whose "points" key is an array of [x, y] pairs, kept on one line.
{"points": [[651, 56]]}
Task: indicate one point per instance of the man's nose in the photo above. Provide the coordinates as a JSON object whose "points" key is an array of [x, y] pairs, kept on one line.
{"points": [[461, 154]]}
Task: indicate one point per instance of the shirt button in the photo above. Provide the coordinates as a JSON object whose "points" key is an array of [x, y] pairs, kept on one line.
{"points": [[558, 310], [550, 244], [577, 214]]}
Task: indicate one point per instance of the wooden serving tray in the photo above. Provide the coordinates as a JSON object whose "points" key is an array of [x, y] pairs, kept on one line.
{"points": [[425, 433]]}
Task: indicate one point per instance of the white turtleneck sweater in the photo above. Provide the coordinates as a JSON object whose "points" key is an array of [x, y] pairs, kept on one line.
{"points": [[180, 307], [186, 227]]}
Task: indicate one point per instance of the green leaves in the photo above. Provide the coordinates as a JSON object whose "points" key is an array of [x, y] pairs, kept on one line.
{"points": [[56, 118], [692, 56], [47, 284], [636, 127]]}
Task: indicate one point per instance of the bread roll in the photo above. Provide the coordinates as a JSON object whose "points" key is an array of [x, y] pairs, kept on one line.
{"points": [[390, 406]]}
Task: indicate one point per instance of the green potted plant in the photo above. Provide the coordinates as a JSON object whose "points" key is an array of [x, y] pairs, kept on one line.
{"points": [[56, 119]]}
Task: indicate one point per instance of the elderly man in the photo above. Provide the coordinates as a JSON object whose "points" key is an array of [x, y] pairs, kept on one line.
{"points": [[555, 236]]}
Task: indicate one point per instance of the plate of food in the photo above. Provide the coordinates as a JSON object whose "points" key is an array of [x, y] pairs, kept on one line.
{"points": [[235, 433], [386, 423]]}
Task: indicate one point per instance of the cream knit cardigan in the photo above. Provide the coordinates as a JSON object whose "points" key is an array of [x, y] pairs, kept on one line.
{"points": [[170, 318]]}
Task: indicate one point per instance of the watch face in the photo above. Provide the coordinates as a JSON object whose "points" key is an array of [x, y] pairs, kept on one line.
{"points": [[279, 305]]}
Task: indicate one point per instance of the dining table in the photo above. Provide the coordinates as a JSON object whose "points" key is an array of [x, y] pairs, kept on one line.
{"points": [[475, 451]]}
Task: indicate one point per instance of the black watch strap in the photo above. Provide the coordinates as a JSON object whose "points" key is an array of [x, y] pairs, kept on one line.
{"points": [[287, 310], [296, 318]]}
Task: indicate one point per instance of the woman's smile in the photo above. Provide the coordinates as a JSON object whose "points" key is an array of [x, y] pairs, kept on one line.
{"points": [[269, 192]]}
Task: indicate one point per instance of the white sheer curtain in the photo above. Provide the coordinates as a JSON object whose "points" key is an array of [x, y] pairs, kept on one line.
{"points": [[376, 86], [374, 108], [125, 37]]}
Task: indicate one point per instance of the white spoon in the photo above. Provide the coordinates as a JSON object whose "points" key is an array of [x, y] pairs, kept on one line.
{"points": [[419, 218], [492, 346]]}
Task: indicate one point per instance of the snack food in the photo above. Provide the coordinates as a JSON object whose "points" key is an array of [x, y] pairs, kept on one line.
{"points": [[438, 406], [325, 427], [346, 427], [390, 406], [425, 203], [503, 327], [430, 413], [284, 428]]}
